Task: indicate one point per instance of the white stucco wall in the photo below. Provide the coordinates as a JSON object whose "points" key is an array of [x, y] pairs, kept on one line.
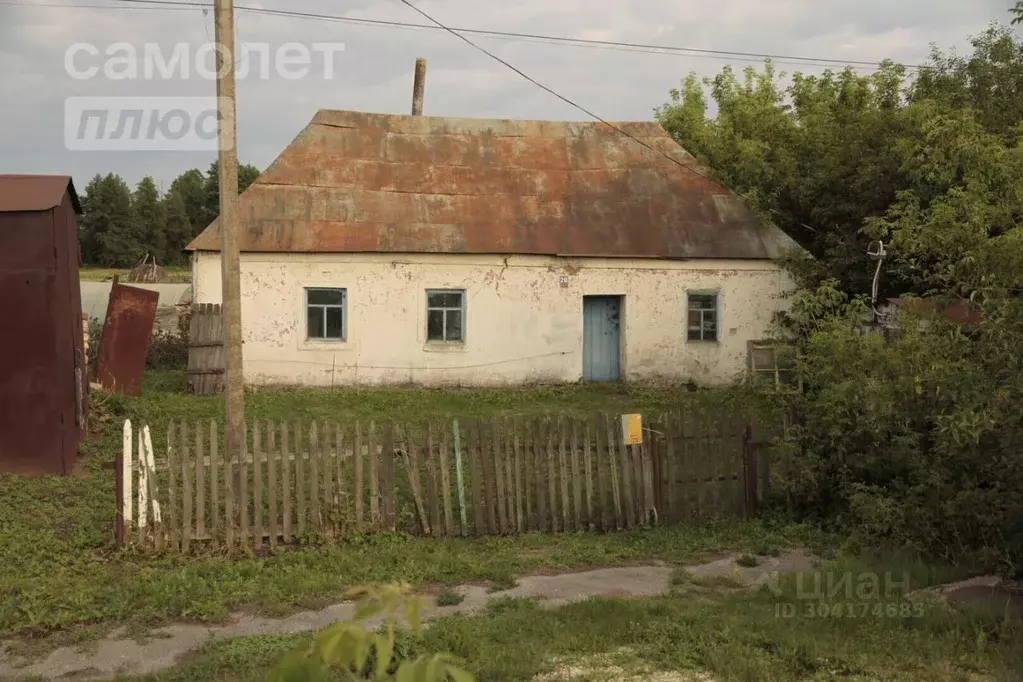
{"points": [[522, 325]]}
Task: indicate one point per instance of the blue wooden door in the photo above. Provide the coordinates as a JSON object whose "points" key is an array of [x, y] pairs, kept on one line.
{"points": [[601, 338]]}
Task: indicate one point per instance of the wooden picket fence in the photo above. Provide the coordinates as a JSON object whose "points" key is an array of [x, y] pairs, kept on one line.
{"points": [[307, 482]]}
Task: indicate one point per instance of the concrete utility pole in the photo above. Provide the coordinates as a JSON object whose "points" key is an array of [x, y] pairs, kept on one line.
{"points": [[419, 87], [230, 262]]}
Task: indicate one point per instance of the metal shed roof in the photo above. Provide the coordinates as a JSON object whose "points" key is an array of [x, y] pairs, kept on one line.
{"points": [[358, 182], [36, 192]]}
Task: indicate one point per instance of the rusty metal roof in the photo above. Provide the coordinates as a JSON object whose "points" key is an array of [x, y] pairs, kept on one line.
{"points": [[36, 192], [358, 182]]}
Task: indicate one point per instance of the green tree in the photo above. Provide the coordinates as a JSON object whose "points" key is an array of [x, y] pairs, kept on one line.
{"points": [[149, 220], [108, 225], [911, 439], [191, 187], [91, 222], [814, 157], [989, 81], [1017, 13], [179, 227], [247, 174]]}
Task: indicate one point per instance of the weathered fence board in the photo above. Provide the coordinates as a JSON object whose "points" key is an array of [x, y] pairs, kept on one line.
{"points": [[206, 349], [498, 475]]}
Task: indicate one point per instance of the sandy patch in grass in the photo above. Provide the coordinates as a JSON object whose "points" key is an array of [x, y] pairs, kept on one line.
{"points": [[620, 666]]}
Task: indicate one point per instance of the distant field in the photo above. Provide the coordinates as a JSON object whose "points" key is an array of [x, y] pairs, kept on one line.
{"points": [[175, 274]]}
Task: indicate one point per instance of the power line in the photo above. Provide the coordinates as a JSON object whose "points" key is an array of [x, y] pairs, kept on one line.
{"points": [[581, 108], [456, 32], [551, 91], [623, 46]]}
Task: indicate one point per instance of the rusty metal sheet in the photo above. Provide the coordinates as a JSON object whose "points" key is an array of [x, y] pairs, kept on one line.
{"points": [[36, 192], [358, 182], [125, 340]]}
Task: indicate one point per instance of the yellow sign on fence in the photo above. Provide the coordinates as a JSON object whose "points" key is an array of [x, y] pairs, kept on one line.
{"points": [[632, 429]]}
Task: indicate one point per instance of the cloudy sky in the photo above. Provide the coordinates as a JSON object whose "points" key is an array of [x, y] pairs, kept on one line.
{"points": [[374, 73]]}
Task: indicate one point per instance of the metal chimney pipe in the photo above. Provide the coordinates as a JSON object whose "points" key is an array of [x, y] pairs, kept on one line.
{"points": [[419, 87]]}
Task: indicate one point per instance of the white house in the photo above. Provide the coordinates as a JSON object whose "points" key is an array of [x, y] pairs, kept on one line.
{"points": [[381, 249]]}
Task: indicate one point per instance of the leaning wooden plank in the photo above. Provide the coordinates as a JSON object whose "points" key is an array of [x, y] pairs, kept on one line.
{"points": [[444, 463], [670, 467], [411, 458], [740, 486], [327, 480], [627, 484], [527, 446], [612, 462], [499, 471], [664, 471], [387, 478], [563, 473], [541, 519], [200, 482], [591, 519], [360, 524], [748, 474], [300, 479], [374, 479], [154, 494], [577, 479], [432, 482], [508, 434], [340, 502], [257, 482], [243, 488], [638, 483], [702, 468], [489, 483], [272, 462], [604, 507], [520, 511], [230, 522], [143, 496], [720, 463], [186, 489], [552, 475], [214, 478], [285, 483], [476, 476], [174, 530], [690, 471], [313, 479], [763, 458], [649, 496], [126, 472]]}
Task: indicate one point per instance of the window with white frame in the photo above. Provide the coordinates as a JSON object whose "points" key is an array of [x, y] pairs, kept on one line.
{"points": [[445, 315], [702, 320], [326, 314]]}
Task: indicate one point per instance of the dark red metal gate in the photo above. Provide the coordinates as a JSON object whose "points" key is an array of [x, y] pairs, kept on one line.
{"points": [[126, 333]]}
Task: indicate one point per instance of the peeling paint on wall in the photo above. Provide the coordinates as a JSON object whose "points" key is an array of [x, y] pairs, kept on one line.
{"points": [[522, 325]]}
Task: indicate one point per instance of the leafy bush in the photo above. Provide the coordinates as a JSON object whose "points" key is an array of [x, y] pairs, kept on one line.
{"points": [[167, 351], [916, 440]]}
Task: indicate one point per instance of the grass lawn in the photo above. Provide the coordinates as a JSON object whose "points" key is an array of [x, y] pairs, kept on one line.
{"points": [[175, 273], [698, 629], [59, 572]]}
